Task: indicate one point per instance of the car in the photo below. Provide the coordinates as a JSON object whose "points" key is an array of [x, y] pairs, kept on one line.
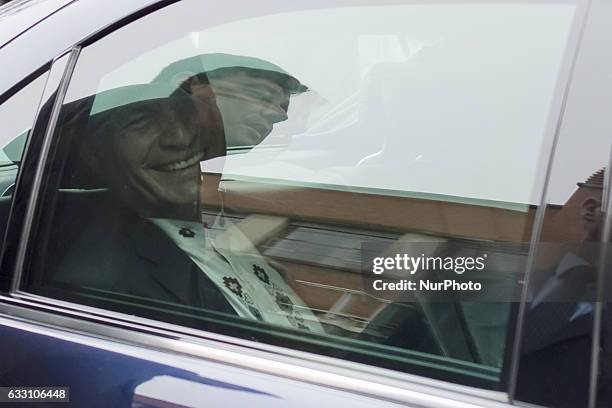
{"points": [[328, 203]]}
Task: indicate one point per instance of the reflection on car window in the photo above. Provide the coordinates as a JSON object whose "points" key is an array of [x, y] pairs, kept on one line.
{"points": [[215, 178], [17, 114], [559, 315], [17, 117]]}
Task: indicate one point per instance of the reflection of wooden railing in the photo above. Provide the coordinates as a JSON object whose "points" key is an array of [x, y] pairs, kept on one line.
{"points": [[370, 211]]}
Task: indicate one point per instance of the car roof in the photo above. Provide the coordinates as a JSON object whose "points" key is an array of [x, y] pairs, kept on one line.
{"points": [[65, 23], [18, 16]]}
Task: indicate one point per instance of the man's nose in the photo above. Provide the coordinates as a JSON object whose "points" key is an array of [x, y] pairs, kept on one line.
{"points": [[176, 137], [178, 131]]}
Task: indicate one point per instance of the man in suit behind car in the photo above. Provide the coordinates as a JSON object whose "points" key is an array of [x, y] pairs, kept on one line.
{"points": [[145, 239], [558, 325]]}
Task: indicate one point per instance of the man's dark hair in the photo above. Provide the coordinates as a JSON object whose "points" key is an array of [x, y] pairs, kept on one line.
{"points": [[181, 73], [287, 82]]}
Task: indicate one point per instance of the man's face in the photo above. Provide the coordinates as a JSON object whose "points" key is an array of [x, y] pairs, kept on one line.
{"points": [[250, 106], [592, 218], [156, 147]]}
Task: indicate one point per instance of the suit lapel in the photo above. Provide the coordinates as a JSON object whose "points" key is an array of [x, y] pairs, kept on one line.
{"points": [[167, 264]]}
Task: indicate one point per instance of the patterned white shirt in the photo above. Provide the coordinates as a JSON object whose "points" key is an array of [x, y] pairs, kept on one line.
{"points": [[253, 288]]}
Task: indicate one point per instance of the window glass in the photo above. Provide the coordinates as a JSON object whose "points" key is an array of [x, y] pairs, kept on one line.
{"points": [[17, 115], [250, 176], [555, 355], [555, 359]]}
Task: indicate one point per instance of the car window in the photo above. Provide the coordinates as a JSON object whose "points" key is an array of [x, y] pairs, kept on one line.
{"points": [[17, 114], [563, 286], [367, 194], [556, 357]]}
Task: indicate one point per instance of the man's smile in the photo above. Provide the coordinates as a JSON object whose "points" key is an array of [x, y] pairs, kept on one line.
{"points": [[180, 164]]}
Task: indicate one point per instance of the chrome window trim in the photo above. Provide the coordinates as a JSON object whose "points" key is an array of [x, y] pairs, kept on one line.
{"points": [[56, 87], [564, 84], [40, 102], [314, 369], [302, 358], [601, 285]]}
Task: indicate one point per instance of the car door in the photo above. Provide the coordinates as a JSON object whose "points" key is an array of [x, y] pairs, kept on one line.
{"points": [[359, 164], [83, 368]]}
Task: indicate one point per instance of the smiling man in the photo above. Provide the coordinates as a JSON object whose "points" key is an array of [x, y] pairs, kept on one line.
{"points": [[149, 150], [143, 143], [145, 238]]}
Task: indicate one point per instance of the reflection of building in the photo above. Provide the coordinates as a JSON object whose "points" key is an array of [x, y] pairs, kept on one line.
{"points": [[372, 211], [564, 223], [316, 234], [400, 214]]}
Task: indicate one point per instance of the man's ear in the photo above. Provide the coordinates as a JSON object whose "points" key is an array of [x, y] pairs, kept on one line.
{"points": [[200, 90], [589, 207]]}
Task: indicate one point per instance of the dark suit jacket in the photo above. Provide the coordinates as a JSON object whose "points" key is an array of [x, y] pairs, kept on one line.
{"points": [[117, 251], [556, 350]]}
